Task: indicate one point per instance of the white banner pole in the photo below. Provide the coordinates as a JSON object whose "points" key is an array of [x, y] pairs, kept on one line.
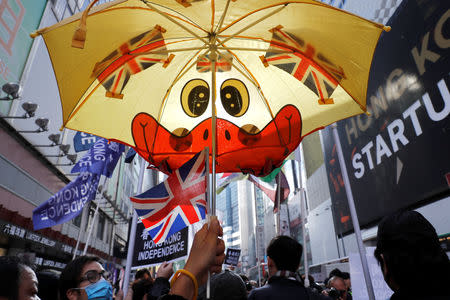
{"points": [[133, 233], [351, 205], [83, 227]]}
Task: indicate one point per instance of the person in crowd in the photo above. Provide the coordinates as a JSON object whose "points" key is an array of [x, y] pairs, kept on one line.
{"points": [[48, 284], [283, 260], [17, 280], [161, 285], [83, 278], [337, 289], [313, 284], [248, 285], [348, 282], [142, 274], [413, 263], [225, 286], [207, 254]]}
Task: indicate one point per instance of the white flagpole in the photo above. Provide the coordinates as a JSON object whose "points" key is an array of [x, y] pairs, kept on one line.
{"points": [[83, 226], [132, 234], [93, 219], [351, 205], [90, 229], [213, 57], [303, 214], [278, 196]]}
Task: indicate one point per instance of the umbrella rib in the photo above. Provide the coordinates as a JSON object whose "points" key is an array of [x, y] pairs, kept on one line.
{"points": [[174, 21], [255, 49], [253, 80], [182, 72], [252, 24], [222, 18], [168, 51]]}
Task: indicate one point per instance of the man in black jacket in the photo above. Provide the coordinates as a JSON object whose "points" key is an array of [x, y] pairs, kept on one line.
{"points": [[283, 260], [413, 262]]}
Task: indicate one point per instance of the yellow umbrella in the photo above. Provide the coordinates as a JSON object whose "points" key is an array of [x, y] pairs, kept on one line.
{"points": [[247, 78]]}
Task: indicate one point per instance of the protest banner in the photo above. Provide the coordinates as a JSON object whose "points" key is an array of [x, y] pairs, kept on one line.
{"points": [[67, 203], [232, 256], [100, 159], [147, 253]]}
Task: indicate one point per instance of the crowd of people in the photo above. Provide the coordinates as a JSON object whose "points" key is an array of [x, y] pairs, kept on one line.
{"points": [[408, 252]]}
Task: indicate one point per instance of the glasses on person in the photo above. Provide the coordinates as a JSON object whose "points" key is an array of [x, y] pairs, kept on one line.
{"points": [[93, 276]]}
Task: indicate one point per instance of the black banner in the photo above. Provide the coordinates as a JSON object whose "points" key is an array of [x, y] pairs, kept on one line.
{"points": [[146, 252], [398, 156], [232, 257]]}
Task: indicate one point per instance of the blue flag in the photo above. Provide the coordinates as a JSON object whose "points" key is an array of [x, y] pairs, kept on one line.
{"points": [[100, 159], [67, 203]]}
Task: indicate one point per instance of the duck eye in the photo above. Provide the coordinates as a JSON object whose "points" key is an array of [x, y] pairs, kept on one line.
{"points": [[234, 97], [195, 97]]}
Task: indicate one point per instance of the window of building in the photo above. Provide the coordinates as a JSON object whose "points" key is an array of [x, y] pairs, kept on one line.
{"points": [[100, 226]]}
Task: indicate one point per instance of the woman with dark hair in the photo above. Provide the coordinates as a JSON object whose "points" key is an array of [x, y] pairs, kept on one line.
{"points": [[413, 263], [17, 280]]}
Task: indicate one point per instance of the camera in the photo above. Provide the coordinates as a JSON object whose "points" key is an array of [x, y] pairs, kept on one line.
{"points": [[335, 293]]}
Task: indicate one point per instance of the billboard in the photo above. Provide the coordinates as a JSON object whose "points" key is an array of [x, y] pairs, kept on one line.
{"points": [[398, 156]]}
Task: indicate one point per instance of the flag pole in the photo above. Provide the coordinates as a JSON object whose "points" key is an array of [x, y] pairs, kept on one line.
{"points": [[303, 214], [93, 220], [132, 234], [212, 204], [351, 204], [83, 227], [303, 217], [278, 203]]}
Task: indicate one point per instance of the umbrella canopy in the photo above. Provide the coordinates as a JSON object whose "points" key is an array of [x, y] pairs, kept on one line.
{"points": [[247, 78]]}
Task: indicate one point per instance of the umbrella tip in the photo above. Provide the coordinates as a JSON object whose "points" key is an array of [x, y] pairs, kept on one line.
{"points": [[387, 28]]}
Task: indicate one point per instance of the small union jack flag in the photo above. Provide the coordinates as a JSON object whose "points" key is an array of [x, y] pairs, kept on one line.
{"points": [[130, 58], [177, 202], [313, 69], [223, 63]]}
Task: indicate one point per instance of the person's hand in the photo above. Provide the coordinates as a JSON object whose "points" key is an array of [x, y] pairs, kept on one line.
{"points": [[165, 270], [207, 252]]}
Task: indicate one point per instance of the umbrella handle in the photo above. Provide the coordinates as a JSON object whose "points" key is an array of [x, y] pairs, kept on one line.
{"points": [[79, 36]]}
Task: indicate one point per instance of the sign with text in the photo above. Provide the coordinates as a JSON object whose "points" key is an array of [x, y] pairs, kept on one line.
{"points": [[232, 257], [83, 141], [67, 203], [359, 289], [147, 253], [101, 158], [260, 247], [398, 157]]}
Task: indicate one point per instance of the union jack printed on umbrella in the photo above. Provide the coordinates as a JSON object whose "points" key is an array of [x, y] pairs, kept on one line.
{"points": [[130, 58], [223, 63], [318, 73], [175, 203]]}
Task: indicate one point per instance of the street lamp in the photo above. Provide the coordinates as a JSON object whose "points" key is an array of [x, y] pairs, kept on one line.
{"points": [[29, 108], [41, 123], [64, 149], [54, 138], [12, 91], [72, 158]]}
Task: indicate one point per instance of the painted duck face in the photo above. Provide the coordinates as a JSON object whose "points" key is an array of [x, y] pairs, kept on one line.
{"points": [[249, 148]]}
